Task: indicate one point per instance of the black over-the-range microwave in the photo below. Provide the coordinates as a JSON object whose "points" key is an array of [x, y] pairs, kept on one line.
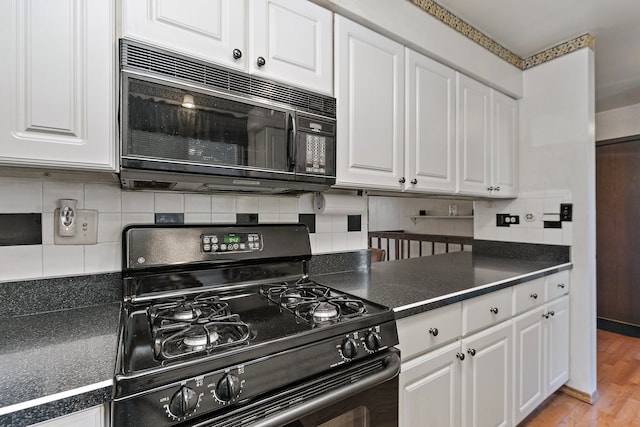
{"points": [[189, 125]]}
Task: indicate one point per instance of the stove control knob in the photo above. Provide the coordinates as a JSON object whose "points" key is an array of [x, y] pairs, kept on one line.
{"points": [[228, 388], [372, 341], [349, 348], [184, 401]]}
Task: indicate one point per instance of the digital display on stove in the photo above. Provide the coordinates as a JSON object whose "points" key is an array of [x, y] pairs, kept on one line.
{"points": [[231, 239]]}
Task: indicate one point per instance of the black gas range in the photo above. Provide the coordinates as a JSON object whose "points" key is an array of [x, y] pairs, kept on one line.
{"points": [[222, 326]]}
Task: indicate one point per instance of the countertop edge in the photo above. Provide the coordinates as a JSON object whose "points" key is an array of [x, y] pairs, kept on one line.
{"points": [[441, 301], [56, 405]]}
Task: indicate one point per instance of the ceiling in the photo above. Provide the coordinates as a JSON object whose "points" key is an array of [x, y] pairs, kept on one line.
{"points": [[527, 27]]}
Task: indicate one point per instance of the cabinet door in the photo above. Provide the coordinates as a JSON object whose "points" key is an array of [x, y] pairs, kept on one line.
{"points": [[93, 417], [206, 29], [430, 389], [504, 139], [472, 136], [57, 87], [295, 39], [529, 362], [557, 341], [430, 134], [370, 95], [487, 377]]}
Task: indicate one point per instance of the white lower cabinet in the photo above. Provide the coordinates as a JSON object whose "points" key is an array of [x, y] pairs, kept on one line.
{"points": [[486, 377], [466, 383], [93, 417], [430, 389], [541, 355], [488, 361]]}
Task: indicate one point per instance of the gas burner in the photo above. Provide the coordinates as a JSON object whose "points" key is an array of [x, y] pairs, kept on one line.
{"points": [[201, 337], [314, 303], [325, 312], [290, 295], [180, 310]]}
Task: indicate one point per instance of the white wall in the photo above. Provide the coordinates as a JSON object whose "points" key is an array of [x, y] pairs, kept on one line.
{"points": [[557, 154], [119, 208], [618, 123], [407, 23]]}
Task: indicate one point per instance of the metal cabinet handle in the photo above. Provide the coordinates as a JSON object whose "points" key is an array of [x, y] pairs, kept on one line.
{"points": [[497, 188], [402, 180], [460, 356], [237, 54], [414, 181], [471, 351], [490, 188], [561, 285], [434, 331], [545, 315], [261, 61], [494, 310], [534, 296], [552, 313]]}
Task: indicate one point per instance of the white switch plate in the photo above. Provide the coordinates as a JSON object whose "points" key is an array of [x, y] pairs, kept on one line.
{"points": [[86, 228]]}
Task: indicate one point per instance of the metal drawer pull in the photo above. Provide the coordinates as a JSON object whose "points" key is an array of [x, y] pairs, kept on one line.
{"points": [[434, 331], [561, 285], [534, 296], [472, 351], [237, 54], [549, 313], [460, 356], [552, 313], [494, 310]]}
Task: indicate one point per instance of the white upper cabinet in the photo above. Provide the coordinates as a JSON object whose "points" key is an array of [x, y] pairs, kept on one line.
{"points": [[292, 40], [285, 40], [473, 134], [370, 102], [504, 153], [211, 30], [487, 132], [430, 161], [57, 87]]}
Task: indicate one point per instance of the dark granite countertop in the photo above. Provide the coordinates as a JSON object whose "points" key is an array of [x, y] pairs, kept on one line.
{"points": [[56, 363], [415, 285]]}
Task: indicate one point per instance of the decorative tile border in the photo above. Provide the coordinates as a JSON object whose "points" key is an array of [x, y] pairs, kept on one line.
{"points": [[466, 29], [585, 40]]}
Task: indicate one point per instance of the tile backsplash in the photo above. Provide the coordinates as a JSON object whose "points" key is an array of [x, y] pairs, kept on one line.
{"points": [[117, 208], [533, 208]]}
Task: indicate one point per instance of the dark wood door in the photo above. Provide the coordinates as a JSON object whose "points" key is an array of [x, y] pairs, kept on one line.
{"points": [[618, 230]]}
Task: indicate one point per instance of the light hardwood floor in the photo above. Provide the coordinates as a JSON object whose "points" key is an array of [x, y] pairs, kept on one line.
{"points": [[618, 385]]}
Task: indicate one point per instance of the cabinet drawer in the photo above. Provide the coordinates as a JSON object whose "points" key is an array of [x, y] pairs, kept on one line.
{"points": [[427, 330], [485, 310], [528, 295], [557, 285]]}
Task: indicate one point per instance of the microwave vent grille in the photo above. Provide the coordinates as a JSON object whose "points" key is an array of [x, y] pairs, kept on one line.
{"points": [[138, 56]]}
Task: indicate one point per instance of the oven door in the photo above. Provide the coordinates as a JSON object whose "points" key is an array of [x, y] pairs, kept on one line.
{"points": [[362, 395]]}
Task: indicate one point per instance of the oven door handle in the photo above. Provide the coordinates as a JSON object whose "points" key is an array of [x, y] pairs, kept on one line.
{"points": [[390, 371]]}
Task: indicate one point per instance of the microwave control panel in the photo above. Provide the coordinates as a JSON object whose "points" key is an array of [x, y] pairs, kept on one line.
{"points": [[234, 242]]}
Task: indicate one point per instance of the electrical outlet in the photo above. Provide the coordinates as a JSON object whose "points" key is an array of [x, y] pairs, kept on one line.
{"points": [[86, 232], [505, 220], [566, 211]]}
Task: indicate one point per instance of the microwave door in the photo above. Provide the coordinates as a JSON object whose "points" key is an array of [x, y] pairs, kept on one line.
{"points": [[209, 133]]}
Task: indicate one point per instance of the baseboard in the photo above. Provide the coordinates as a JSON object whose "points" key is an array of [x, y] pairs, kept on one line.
{"points": [[618, 327], [590, 398]]}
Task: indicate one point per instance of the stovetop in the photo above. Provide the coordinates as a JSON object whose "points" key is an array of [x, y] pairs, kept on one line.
{"points": [[215, 324]]}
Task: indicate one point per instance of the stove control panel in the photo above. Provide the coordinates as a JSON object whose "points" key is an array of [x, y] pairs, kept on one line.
{"points": [[231, 243]]}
